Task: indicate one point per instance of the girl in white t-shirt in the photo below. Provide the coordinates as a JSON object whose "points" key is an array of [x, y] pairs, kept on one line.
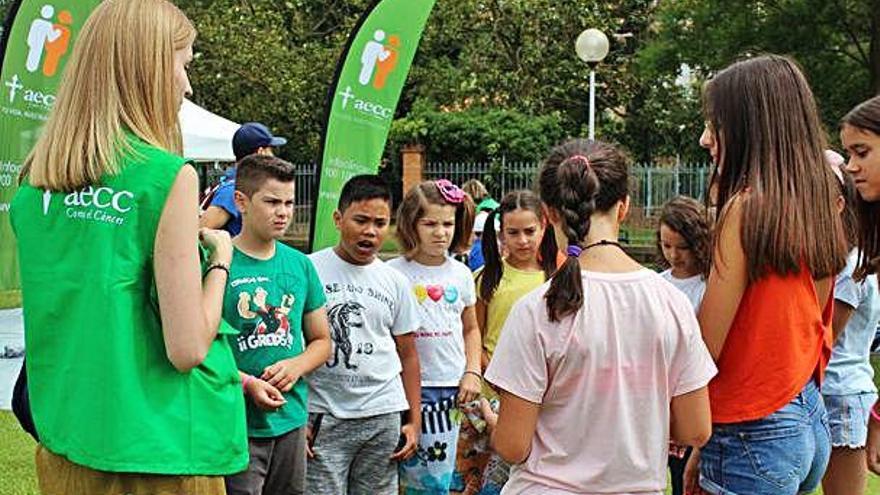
{"points": [[602, 364], [434, 218], [683, 240]]}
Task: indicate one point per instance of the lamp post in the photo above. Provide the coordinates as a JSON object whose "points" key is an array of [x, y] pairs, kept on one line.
{"points": [[591, 46]]}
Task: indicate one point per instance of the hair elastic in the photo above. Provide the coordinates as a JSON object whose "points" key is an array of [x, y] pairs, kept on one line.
{"points": [[450, 192], [581, 158], [574, 250]]}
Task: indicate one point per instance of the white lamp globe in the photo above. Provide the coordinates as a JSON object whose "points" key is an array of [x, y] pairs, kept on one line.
{"points": [[591, 46]]}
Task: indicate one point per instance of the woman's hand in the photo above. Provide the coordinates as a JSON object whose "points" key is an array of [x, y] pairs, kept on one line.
{"points": [[218, 243]]}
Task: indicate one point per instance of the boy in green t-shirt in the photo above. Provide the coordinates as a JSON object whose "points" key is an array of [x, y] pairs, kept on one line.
{"points": [[275, 300]]}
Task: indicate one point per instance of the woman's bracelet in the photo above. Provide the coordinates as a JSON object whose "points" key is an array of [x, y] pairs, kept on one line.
{"points": [[217, 266], [874, 413], [475, 373], [244, 382]]}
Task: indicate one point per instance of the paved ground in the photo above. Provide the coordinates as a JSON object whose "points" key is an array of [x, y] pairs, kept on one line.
{"points": [[11, 335]]}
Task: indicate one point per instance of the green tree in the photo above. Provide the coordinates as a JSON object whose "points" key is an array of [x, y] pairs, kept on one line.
{"points": [[270, 61], [837, 42], [519, 55], [273, 60]]}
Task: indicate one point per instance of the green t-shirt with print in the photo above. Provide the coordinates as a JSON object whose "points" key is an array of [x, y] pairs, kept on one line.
{"points": [[265, 301]]}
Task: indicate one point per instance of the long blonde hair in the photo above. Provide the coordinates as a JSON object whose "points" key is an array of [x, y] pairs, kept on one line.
{"points": [[120, 77]]}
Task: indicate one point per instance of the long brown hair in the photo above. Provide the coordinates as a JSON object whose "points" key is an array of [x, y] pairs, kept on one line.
{"points": [[771, 144], [578, 178], [866, 117], [493, 270], [120, 77]]}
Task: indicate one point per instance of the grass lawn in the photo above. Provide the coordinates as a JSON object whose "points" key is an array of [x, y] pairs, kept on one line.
{"points": [[10, 299], [17, 476]]}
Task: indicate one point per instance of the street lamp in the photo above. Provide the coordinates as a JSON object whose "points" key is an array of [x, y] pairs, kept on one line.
{"points": [[592, 47]]}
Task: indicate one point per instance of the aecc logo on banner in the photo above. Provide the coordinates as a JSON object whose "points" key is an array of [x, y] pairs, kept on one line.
{"points": [[377, 62], [48, 41]]}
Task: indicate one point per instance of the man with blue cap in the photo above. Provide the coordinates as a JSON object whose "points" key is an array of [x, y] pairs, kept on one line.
{"points": [[251, 138]]}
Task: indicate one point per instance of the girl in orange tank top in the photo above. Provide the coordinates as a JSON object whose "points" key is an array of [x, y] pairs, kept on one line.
{"points": [[766, 313]]}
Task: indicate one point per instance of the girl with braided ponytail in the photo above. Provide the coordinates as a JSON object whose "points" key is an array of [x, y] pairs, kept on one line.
{"points": [[599, 366]]}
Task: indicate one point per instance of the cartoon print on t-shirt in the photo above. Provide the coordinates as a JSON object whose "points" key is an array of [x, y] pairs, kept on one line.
{"points": [[273, 322], [343, 317], [244, 305]]}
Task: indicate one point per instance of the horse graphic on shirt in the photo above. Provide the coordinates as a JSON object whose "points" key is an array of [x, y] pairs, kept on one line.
{"points": [[343, 317]]}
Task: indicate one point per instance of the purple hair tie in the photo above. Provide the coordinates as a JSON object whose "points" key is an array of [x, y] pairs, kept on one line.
{"points": [[450, 192], [574, 251]]}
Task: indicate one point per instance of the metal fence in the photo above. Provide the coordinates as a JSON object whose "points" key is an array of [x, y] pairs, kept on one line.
{"points": [[652, 185], [498, 177]]}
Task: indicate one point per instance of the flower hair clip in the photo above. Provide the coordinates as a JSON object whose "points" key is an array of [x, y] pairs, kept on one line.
{"points": [[450, 192]]}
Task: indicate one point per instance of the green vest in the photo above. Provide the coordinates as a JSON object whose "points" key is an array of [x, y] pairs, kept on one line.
{"points": [[102, 390]]}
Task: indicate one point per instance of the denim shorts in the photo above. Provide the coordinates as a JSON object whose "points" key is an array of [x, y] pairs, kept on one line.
{"points": [[785, 453], [848, 418]]}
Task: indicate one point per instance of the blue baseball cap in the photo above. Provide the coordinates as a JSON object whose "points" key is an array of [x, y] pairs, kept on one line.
{"points": [[251, 136]]}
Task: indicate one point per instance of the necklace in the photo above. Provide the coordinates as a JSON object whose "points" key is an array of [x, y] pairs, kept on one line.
{"points": [[603, 242]]}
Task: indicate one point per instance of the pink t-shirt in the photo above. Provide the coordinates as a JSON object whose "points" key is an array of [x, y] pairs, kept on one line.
{"points": [[604, 378]]}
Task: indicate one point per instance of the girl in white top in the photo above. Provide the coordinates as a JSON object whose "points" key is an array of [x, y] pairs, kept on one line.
{"points": [[434, 218], [683, 241], [596, 366]]}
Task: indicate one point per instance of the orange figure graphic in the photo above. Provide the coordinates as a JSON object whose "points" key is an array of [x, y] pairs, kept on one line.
{"points": [[57, 48], [384, 67]]}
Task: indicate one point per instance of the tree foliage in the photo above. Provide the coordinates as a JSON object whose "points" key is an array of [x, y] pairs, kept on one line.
{"points": [[478, 134], [273, 60], [270, 61], [836, 41], [487, 70]]}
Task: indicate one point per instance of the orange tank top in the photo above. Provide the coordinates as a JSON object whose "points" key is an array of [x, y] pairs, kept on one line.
{"points": [[779, 339]]}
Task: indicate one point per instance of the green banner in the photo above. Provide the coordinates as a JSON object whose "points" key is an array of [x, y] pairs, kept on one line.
{"points": [[362, 100], [38, 39]]}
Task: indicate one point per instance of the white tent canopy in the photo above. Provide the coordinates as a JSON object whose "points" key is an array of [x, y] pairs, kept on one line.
{"points": [[206, 136]]}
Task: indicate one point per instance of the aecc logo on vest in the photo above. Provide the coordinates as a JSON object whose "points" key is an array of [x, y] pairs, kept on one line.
{"points": [[98, 204]]}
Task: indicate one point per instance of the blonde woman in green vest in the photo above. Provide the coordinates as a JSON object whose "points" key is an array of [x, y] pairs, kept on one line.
{"points": [[132, 389]]}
